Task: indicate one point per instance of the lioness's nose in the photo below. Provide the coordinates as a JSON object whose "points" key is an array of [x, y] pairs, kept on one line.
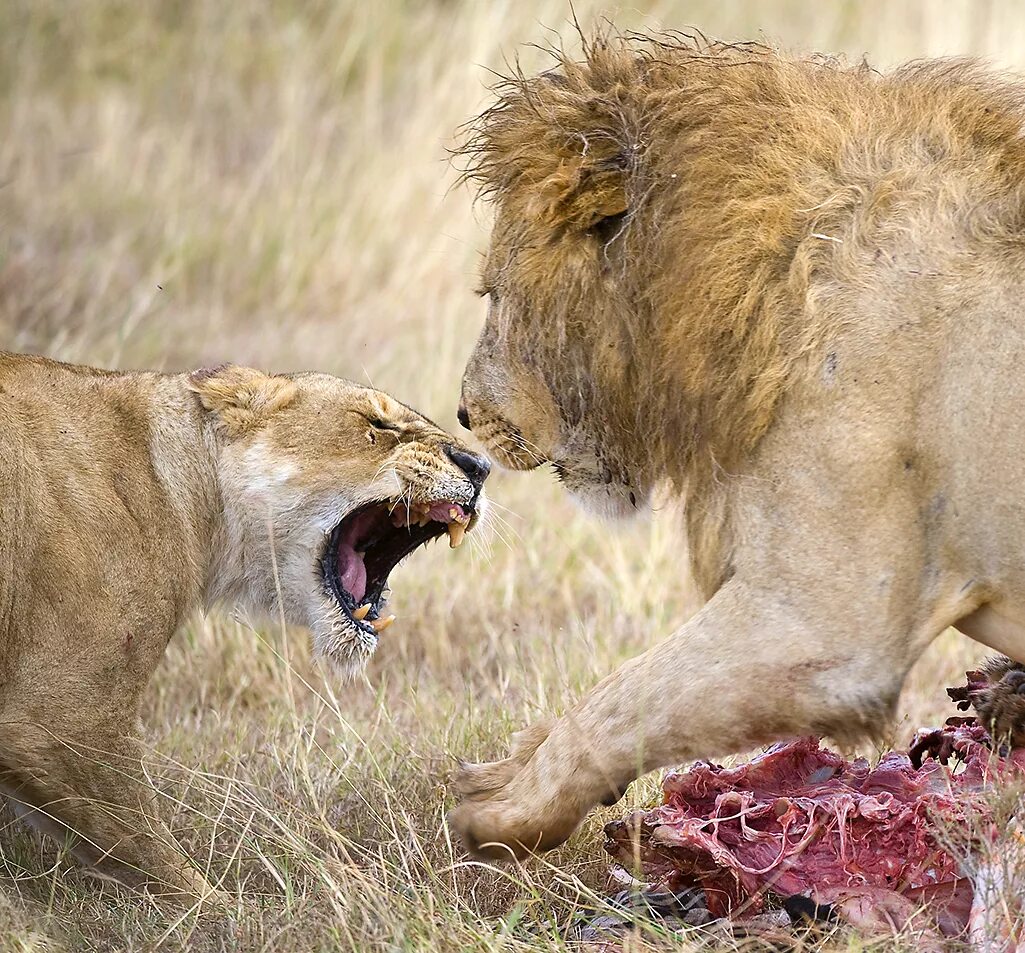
{"points": [[462, 416], [474, 466]]}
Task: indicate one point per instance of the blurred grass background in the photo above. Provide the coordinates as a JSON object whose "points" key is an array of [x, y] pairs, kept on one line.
{"points": [[191, 181]]}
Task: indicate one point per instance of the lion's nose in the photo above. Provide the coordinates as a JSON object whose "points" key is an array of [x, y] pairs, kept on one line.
{"points": [[474, 466], [462, 416]]}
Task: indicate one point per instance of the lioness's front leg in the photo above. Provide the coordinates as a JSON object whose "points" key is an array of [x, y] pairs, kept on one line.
{"points": [[92, 793], [724, 682]]}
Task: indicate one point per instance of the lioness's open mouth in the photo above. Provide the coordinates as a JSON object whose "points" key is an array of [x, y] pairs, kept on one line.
{"points": [[372, 540]]}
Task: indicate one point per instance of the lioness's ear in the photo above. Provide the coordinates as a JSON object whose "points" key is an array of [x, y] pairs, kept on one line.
{"points": [[242, 397]]}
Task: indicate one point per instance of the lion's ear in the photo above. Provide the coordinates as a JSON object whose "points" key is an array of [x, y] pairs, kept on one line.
{"points": [[242, 397], [604, 202], [584, 191]]}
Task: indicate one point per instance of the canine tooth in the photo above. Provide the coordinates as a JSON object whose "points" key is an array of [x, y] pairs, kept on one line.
{"points": [[379, 625], [456, 531], [361, 613]]}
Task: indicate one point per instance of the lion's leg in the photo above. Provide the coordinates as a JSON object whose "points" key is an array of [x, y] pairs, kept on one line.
{"points": [[723, 683], [95, 795], [997, 627]]}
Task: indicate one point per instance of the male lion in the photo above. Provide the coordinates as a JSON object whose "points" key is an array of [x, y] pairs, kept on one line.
{"points": [[130, 499], [790, 290]]}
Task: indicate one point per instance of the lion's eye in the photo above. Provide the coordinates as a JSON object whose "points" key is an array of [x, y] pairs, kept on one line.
{"points": [[608, 228]]}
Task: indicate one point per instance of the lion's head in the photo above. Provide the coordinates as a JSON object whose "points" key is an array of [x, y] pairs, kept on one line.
{"points": [[326, 486], [653, 246], [553, 370]]}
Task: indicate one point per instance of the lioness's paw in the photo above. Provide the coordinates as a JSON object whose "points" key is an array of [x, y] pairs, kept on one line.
{"points": [[485, 823]]}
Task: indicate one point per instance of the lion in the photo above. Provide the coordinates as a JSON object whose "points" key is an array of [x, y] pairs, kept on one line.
{"points": [[789, 292], [130, 499]]}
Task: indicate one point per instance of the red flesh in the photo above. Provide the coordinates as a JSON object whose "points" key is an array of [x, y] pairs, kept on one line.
{"points": [[800, 819]]}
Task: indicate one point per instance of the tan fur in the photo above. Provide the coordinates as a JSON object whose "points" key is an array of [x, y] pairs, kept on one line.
{"points": [[806, 321], [128, 501]]}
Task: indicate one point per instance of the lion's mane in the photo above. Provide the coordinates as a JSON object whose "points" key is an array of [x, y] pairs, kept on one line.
{"points": [[767, 181]]}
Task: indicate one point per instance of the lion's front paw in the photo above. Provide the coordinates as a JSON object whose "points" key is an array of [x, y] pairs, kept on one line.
{"points": [[1001, 705], [489, 831], [507, 811], [500, 829], [481, 782]]}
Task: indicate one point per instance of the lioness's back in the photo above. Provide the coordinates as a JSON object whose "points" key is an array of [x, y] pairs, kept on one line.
{"points": [[86, 513]]}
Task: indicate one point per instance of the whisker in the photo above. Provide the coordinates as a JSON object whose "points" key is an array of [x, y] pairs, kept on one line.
{"points": [[497, 520]]}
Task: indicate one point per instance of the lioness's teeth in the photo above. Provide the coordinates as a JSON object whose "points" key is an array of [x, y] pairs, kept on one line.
{"points": [[379, 625], [456, 531], [361, 613]]}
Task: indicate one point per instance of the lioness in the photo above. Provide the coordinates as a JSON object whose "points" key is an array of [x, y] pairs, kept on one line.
{"points": [[131, 498], [790, 290]]}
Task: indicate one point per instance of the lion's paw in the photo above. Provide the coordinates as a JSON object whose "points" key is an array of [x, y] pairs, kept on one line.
{"points": [[488, 780], [507, 830], [482, 782], [490, 831], [506, 812], [1001, 704]]}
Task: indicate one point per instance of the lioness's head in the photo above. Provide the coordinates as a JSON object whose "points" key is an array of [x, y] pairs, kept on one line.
{"points": [[326, 486]]}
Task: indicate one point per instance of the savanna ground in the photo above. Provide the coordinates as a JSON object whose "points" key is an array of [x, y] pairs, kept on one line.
{"points": [[183, 183]]}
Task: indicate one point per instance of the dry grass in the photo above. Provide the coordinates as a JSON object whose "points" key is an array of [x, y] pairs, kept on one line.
{"points": [[187, 182]]}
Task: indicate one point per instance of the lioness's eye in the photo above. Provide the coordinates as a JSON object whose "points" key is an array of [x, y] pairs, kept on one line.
{"points": [[379, 424]]}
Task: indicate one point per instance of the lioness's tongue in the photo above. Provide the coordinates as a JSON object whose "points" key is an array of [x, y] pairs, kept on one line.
{"points": [[352, 572]]}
